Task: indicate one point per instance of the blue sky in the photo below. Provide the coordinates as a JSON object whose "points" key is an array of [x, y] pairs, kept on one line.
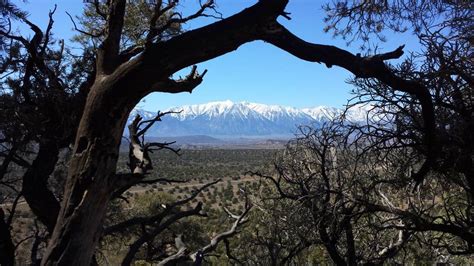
{"points": [[256, 72]]}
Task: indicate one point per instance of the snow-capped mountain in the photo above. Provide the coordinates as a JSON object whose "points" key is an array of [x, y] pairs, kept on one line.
{"points": [[242, 119]]}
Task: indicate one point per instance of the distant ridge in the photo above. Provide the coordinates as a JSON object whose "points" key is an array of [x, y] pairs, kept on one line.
{"points": [[193, 139], [226, 119]]}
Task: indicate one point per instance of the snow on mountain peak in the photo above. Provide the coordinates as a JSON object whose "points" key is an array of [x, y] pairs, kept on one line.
{"points": [[271, 112], [244, 109], [211, 109], [244, 118]]}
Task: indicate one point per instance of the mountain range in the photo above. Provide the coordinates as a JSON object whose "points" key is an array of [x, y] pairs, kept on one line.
{"points": [[227, 119]]}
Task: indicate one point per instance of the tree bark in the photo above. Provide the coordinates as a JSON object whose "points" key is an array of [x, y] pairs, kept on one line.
{"points": [[7, 250], [90, 182], [35, 190]]}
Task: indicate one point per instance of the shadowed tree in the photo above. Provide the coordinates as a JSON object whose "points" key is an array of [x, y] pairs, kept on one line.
{"points": [[388, 190], [443, 65], [349, 188]]}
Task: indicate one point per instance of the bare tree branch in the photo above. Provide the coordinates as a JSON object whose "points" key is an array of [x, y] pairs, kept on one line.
{"points": [[198, 256], [81, 31]]}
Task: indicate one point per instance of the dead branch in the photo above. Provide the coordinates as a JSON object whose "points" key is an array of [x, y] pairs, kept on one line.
{"points": [[81, 31], [418, 223], [197, 256], [168, 210], [150, 122], [48, 31], [239, 220], [139, 157], [160, 222], [186, 84]]}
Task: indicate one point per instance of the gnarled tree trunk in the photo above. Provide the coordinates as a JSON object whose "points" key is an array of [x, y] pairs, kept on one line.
{"points": [[123, 78], [90, 181]]}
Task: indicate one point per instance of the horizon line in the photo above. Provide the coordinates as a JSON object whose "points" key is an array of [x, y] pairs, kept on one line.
{"points": [[243, 102]]}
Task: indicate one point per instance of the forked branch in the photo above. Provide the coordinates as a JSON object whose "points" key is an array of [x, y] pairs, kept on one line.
{"points": [[139, 151], [197, 257]]}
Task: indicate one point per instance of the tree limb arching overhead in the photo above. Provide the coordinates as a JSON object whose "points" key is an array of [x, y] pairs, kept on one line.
{"points": [[120, 84]]}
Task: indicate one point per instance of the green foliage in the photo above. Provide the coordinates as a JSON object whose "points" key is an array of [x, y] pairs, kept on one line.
{"points": [[137, 22], [204, 165]]}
